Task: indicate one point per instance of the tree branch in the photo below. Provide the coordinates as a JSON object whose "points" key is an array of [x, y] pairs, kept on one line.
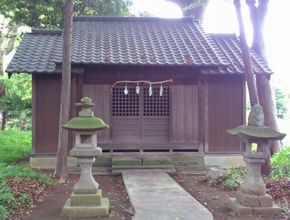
{"points": [[246, 57]]}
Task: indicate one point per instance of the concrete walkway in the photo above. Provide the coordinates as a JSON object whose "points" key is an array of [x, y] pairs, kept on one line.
{"points": [[156, 196]]}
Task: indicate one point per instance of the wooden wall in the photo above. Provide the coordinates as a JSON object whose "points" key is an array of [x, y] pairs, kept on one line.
{"points": [[107, 75], [101, 96], [184, 114], [46, 89], [179, 131], [45, 110], [226, 106], [201, 108]]}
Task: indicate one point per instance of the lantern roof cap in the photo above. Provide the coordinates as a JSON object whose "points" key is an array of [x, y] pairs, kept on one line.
{"points": [[86, 119], [85, 123], [256, 133]]}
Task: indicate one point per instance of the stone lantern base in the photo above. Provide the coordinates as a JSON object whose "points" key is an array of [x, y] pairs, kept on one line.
{"points": [[241, 210], [86, 199], [252, 199], [86, 205]]}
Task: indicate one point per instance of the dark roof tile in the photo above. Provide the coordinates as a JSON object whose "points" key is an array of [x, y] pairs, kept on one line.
{"points": [[230, 46], [131, 40]]}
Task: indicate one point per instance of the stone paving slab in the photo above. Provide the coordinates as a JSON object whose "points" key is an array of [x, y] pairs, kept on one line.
{"points": [[155, 195]]}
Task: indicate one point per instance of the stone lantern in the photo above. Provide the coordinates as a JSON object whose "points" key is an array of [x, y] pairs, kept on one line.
{"points": [[86, 198], [252, 199]]}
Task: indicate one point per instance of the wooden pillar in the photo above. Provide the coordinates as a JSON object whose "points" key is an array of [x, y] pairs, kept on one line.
{"points": [[206, 112], [33, 114], [201, 115]]}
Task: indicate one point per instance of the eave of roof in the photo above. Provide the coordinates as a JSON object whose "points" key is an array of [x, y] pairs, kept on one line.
{"points": [[230, 46], [132, 41]]}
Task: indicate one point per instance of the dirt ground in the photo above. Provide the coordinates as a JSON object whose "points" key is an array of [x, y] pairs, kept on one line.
{"points": [[213, 198], [50, 208]]}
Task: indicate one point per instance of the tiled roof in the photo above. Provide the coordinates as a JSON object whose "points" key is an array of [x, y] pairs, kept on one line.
{"points": [[36, 52], [129, 40], [230, 46]]}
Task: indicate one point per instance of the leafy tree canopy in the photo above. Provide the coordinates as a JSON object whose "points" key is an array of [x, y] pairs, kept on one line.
{"points": [[48, 13], [281, 102], [192, 7]]}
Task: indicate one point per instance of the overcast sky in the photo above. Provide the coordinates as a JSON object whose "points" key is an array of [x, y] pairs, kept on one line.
{"points": [[220, 18]]}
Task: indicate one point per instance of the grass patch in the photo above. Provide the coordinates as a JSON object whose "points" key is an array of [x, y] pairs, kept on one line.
{"points": [[14, 145], [20, 187]]}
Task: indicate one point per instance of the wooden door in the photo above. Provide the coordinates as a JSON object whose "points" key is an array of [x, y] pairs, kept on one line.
{"points": [[139, 118]]}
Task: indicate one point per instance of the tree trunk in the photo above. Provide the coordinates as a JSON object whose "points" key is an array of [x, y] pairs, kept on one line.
{"points": [[250, 78], [267, 100], [62, 148], [265, 93], [3, 123]]}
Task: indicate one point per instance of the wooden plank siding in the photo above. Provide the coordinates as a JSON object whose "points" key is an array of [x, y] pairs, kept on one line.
{"points": [[145, 132], [201, 108], [46, 90], [155, 130], [184, 114], [101, 96], [107, 75], [225, 110], [45, 110]]}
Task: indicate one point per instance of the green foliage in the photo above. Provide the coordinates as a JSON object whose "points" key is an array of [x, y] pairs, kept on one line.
{"points": [[281, 157], [3, 213], [280, 164], [235, 177], [48, 14], [24, 198], [281, 102], [230, 184], [196, 4], [14, 145], [280, 172], [17, 101], [6, 197]]}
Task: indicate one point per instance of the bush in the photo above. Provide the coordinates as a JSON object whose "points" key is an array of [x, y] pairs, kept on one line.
{"points": [[230, 184], [235, 177], [280, 164], [281, 102], [17, 102], [281, 157]]}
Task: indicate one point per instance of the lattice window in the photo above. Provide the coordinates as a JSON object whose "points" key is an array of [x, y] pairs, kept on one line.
{"points": [[156, 105], [125, 105]]}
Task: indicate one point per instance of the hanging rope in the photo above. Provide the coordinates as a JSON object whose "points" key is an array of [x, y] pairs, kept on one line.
{"points": [[141, 81]]}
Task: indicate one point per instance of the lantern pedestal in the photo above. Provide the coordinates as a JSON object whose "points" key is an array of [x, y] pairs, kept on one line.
{"points": [[252, 199], [86, 199]]}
